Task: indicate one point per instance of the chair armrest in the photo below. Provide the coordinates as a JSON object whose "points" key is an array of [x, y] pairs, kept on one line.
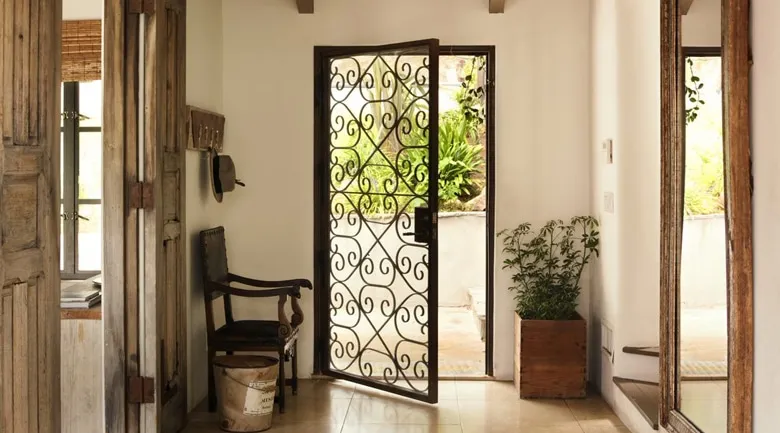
{"points": [[270, 284], [229, 290]]}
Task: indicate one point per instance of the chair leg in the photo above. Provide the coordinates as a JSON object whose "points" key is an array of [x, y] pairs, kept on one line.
{"points": [[212, 382], [281, 381], [294, 362]]}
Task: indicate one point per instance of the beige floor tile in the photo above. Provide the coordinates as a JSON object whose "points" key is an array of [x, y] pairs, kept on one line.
{"points": [[447, 390], [326, 411], [397, 410], [603, 426], [400, 428], [490, 391], [292, 428], [703, 390], [481, 407], [591, 408], [515, 412], [501, 427], [322, 389]]}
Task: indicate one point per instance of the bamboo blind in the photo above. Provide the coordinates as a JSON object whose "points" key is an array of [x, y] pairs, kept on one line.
{"points": [[81, 50]]}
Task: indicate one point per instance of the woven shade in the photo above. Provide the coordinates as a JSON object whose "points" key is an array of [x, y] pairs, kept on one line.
{"points": [[81, 50]]}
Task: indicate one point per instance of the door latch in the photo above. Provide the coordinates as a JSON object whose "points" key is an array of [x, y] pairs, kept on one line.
{"points": [[423, 225]]}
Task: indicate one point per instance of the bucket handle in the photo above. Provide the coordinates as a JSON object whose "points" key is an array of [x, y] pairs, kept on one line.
{"points": [[236, 380]]}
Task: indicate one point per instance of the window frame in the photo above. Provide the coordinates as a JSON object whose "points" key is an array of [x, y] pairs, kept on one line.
{"points": [[69, 199]]}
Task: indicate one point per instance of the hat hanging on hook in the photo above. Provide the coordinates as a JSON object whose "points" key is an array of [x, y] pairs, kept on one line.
{"points": [[223, 174]]}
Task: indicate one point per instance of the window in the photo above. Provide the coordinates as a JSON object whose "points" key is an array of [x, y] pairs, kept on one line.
{"points": [[81, 179]]}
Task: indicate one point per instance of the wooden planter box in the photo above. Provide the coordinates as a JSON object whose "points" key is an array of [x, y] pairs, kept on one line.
{"points": [[550, 358]]}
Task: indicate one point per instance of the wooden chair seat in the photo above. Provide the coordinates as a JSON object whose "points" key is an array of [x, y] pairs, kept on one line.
{"points": [[260, 335]]}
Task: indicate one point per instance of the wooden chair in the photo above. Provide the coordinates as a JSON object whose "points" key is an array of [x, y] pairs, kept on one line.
{"points": [[278, 336]]}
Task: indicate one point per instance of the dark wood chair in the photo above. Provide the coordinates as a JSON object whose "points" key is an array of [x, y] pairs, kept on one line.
{"points": [[278, 336]]}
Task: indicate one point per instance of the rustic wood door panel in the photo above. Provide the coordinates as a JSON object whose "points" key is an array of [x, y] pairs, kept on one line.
{"points": [[164, 242], [29, 213]]}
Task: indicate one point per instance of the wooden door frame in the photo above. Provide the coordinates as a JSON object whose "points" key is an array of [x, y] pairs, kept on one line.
{"points": [[735, 44]]}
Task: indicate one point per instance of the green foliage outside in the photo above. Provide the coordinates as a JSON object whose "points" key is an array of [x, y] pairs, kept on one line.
{"points": [[548, 265], [704, 138], [367, 174]]}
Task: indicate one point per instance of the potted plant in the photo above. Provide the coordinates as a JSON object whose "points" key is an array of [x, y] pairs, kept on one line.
{"points": [[550, 337]]}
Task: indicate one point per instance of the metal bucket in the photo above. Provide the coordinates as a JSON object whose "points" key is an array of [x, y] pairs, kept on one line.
{"points": [[246, 387]]}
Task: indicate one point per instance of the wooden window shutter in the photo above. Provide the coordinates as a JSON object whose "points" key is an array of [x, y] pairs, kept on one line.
{"points": [[81, 50]]}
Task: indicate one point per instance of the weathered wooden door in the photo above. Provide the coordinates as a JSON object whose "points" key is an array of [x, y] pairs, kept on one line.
{"points": [[29, 214], [164, 223], [144, 127]]}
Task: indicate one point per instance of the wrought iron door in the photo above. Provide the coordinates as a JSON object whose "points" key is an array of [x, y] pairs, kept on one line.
{"points": [[377, 192]]}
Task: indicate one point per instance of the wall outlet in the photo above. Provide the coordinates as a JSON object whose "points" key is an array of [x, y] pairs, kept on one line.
{"points": [[606, 342], [609, 202]]}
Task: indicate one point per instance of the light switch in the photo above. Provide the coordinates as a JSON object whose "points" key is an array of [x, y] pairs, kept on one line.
{"points": [[608, 149], [609, 202]]}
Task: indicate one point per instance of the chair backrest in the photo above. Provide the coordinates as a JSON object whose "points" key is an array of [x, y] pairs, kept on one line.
{"points": [[213, 255]]}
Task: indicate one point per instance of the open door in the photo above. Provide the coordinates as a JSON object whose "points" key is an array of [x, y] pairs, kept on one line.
{"points": [[165, 338], [376, 191], [144, 136], [29, 214]]}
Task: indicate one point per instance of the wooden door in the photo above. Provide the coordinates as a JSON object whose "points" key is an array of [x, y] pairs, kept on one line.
{"points": [[164, 222], [29, 214]]}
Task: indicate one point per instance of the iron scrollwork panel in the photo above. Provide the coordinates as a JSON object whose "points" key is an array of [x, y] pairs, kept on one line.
{"points": [[380, 159]]}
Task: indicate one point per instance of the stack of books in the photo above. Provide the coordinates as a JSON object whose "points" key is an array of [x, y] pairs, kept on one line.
{"points": [[79, 298]]}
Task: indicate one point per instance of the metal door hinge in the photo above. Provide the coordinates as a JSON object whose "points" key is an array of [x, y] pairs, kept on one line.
{"points": [[140, 390], [141, 195], [141, 6]]}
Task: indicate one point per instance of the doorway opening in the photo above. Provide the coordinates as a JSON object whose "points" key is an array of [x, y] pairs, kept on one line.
{"points": [[703, 349], [401, 305], [466, 167]]}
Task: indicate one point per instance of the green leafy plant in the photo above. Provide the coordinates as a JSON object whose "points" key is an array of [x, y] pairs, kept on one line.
{"points": [[471, 96], [704, 182], [693, 86], [459, 158], [365, 176], [548, 265]]}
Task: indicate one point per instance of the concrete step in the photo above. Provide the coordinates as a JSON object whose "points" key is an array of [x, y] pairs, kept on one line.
{"points": [[645, 396], [652, 351], [477, 305]]}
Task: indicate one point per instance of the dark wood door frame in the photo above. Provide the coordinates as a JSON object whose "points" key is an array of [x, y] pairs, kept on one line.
{"points": [[320, 266]]}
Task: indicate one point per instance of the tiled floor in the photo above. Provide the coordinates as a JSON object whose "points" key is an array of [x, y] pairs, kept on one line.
{"points": [[464, 407], [705, 403], [703, 334], [461, 349]]}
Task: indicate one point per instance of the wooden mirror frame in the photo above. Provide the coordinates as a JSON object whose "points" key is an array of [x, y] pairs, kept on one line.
{"points": [[735, 43]]}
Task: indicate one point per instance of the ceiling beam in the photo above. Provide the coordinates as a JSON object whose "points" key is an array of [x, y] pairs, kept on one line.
{"points": [[496, 6], [685, 6], [305, 6]]}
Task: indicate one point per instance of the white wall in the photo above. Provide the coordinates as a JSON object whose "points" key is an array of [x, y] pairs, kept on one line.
{"points": [[604, 118], [703, 263], [765, 112], [82, 10], [204, 90], [701, 26], [626, 109], [542, 106]]}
